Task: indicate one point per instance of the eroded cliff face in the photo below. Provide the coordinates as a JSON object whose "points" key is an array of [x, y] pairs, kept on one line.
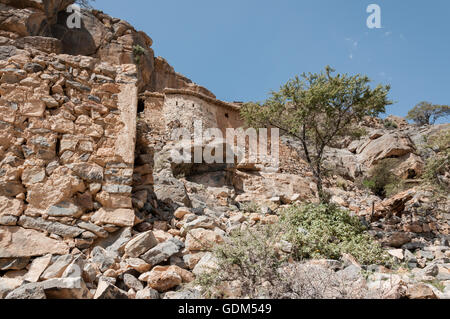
{"points": [[42, 25]]}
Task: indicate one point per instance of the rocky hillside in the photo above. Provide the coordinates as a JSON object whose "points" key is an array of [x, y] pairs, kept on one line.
{"points": [[94, 205]]}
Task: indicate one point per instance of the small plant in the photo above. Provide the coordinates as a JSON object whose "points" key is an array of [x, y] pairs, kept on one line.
{"points": [[440, 163], [248, 256], [250, 207], [390, 125], [436, 284], [381, 181], [138, 51], [325, 231], [357, 133]]}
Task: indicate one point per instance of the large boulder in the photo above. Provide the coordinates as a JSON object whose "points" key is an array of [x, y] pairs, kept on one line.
{"points": [[387, 146], [19, 242]]}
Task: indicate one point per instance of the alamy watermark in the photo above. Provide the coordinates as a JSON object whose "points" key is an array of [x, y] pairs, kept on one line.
{"points": [[74, 19], [374, 19], [250, 146]]}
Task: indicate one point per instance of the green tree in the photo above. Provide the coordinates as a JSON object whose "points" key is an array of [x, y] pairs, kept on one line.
{"points": [[317, 109], [426, 113]]}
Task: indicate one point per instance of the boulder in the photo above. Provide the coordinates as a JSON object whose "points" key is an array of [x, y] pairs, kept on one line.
{"points": [[28, 291], [119, 217], [386, 146], [162, 252], [19, 242], [37, 267], [420, 291], [140, 244], [163, 278], [201, 239], [147, 293], [107, 290]]}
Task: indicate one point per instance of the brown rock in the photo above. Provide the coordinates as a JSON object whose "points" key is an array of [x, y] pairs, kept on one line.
{"points": [[37, 267], [19, 242], [140, 244], [11, 207], [163, 278], [202, 239], [118, 217], [388, 145], [420, 291]]}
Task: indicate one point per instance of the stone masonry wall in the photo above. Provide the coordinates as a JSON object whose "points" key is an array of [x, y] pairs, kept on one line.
{"points": [[181, 107], [67, 141]]}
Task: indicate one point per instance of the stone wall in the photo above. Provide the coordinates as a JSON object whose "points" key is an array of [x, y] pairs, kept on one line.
{"points": [[181, 107], [67, 142]]}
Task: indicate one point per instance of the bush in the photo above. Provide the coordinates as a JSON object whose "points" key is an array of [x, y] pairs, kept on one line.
{"points": [[325, 231], [250, 207], [249, 257], [138, 51], [252, 265], [390, 125], [381, 181], [440, 163]]}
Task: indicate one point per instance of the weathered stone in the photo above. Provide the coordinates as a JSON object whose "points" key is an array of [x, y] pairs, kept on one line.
{"points": [[118, 217], [164, 278], [206, 264], [181, 212], [65, 209], [138, 264], [132, 282], [56, 269], [37, 267], [397, 253], [8, 220], [89, 172], [7, 285], [148, 294], [28, 291], [51, 227], [185, 294], [140, 244], [18, 242], [106, 290], [66, 288], [14, 263], [11, 207], [162, 252], [202, 239], [102, 258], [97, 230], [420, 291], [115, 242]]}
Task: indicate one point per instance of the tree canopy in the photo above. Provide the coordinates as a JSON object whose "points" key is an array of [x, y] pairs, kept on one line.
{"points": [[426, 113], [316, 109]]}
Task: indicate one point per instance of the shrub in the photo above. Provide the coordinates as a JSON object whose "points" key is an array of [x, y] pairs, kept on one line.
{"points": [[250, 207], [138, 51], [440, 163], [381, 181], [325, 231], [248, 256], [251, 266], [357, 133], [390, 125]]}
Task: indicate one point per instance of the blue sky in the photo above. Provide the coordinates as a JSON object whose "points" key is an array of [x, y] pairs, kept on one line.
{"points": [[243, 49]]}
